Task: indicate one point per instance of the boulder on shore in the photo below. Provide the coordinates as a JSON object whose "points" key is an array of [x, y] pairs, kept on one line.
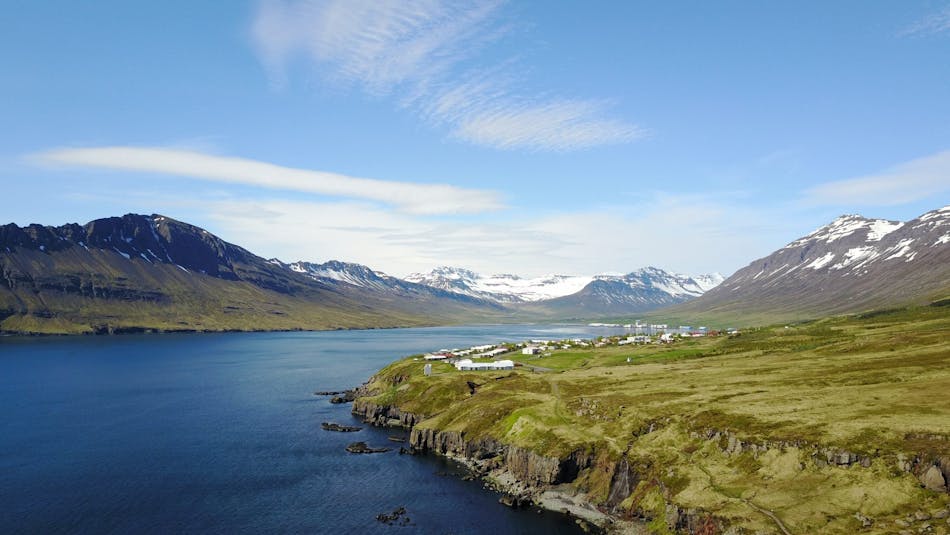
{"points": [[933, 479]]}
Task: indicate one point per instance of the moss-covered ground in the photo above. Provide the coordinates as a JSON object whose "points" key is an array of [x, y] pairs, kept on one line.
{"points": [[876, 385]]}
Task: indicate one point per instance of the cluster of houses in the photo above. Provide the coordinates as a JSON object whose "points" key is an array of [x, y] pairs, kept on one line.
{"points": [[659, 329], [455, 357], [462, 359]]}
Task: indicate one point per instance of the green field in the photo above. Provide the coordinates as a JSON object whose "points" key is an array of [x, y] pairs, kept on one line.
{"points": [[872, 389]]}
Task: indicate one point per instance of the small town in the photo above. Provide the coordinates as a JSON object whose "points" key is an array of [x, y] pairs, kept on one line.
{"points": [[486, 357]]}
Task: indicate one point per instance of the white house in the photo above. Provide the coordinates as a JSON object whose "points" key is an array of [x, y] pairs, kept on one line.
{"points": [[468, 365], [493, 352], [531, 350]]}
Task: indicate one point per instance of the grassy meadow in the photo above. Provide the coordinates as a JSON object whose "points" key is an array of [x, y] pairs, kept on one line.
{"points": [[875, 387]]}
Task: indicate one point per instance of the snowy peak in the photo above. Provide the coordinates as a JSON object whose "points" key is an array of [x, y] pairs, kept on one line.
{"points": [[710, 281], [850, 226], [506, 288], [852, 262], [851, 243], [676, 285], [501, 288]]}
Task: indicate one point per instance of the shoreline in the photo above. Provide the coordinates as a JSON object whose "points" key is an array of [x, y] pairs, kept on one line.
{"points": [[497, 475], [642, 460], [139, 330]]}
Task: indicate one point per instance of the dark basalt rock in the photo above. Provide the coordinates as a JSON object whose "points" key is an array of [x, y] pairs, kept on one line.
{"points": [[331, 426], [396, 439], [346, 397], [397, 517], [515, 501], [361, 447]]}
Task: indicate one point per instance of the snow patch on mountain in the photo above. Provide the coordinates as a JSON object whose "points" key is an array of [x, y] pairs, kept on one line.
{"points": [[858, 256], [897, 251], [355, 274], [882, 227], [823, 261]]}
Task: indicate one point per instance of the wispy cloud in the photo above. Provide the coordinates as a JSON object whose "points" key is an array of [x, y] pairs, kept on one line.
{"points": [[415, 198], [934, 23], [424, 54], [901, 184]]}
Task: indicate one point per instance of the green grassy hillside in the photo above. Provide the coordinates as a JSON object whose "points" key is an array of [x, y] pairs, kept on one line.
{"points": [[817, 427]]}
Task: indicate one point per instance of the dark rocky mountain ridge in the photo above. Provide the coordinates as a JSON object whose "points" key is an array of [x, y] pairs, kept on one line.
{"points": [[141, 272]]}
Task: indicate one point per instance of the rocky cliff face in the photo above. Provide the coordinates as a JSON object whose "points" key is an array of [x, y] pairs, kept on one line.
{"points": [[530, 475], [528, 467], [383, 415]]}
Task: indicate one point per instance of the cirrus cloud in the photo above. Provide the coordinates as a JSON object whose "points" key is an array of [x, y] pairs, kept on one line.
{"points": [[934, 23], [425, 54]]}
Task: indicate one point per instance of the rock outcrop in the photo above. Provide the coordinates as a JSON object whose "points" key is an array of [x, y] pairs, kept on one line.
{"points": [[383, 415]]}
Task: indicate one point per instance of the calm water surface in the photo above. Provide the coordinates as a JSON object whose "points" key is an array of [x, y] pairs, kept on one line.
{"points": [[220, 433]]}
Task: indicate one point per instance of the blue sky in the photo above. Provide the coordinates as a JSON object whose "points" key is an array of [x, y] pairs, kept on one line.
{"points": [[519, 137]]}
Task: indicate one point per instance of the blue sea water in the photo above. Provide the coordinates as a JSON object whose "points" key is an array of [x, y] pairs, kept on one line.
{"points": [[220, 433]]}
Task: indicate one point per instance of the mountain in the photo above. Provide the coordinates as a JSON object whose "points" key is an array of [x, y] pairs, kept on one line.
{"points": [[337, 272], [643, 290], [852, 264], [568, 296], [502, 288], [139, 272]]}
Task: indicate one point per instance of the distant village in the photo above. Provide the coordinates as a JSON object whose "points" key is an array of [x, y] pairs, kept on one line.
{"points": [[465, 359]]}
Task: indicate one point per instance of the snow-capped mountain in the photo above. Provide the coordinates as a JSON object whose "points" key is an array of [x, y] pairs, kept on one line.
{"points": [[336, 273], [501, 288], [851, 264], [673, 284], [637, 291]]}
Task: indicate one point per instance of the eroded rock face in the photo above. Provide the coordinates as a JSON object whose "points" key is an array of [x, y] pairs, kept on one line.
{"points": [[383, 415], [527, 466]]}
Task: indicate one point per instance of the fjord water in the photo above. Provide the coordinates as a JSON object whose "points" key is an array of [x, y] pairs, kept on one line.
{"points": [[220, 433]]}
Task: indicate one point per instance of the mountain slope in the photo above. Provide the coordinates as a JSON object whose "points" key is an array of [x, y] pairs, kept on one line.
{"points": [[850, 265], [151, 272]]}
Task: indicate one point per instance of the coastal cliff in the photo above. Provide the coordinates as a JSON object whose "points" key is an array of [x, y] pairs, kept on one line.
{"points": [[726, 441]]}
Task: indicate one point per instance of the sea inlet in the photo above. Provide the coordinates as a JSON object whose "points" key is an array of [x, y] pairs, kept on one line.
{"points": [[221, 433]]}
